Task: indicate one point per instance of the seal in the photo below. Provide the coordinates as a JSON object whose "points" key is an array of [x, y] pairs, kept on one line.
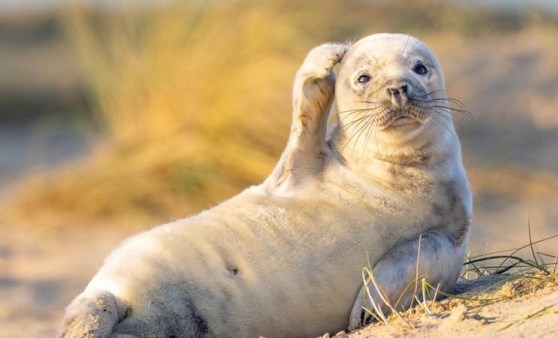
{"points": [[284, 258]]}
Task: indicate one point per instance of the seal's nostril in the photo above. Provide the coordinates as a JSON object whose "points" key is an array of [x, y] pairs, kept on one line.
{"points": [[393, 91], [404, 89]]}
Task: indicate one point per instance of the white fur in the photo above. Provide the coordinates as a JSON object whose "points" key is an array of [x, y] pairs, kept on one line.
{"points": [[284, 258]]}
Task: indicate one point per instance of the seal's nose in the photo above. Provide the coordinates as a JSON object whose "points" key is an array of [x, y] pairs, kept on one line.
{"points": [[398, 95]]}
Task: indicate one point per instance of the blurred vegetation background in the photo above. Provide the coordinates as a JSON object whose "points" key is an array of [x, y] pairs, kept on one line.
{"points": [[141, 114]]}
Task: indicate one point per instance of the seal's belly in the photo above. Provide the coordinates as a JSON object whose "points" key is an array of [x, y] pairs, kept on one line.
{"points": [[270, 268], [265, 267]]}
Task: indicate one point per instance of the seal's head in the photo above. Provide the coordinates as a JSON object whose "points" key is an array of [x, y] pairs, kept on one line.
{"points": [[390, 90]]}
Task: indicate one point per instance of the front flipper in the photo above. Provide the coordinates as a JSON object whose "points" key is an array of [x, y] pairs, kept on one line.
{"points": [[313, 92], [440, 263]]}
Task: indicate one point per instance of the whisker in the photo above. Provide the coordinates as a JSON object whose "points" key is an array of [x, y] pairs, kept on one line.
{"points": [[439, 114], [360, 133], [442, 115], [370, 53], [360, 126], [372, 131], [441, 121], [460, 107], [349, 124], [380, 102], [406, 42], [460, 125], [355, 124], [455, 110], [356, 110]]}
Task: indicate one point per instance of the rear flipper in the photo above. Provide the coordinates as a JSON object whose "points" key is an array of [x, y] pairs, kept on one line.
{"points": [[440, 263], [90, 315]]}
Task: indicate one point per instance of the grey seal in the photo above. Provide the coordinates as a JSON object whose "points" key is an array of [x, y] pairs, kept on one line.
{"points": [[284, 258]]}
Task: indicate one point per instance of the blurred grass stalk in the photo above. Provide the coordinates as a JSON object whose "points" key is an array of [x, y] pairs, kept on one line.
{"points": [[194, 98], [191, 66]]}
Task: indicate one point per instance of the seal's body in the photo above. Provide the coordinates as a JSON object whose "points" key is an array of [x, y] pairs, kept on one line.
{"points": [[284, 258]]}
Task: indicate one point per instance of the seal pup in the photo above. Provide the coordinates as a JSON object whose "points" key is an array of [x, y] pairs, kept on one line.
{"points": [[284, 258]]}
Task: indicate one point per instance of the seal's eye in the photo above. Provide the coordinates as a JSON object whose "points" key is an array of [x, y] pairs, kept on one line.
{"points": [[420, 69], [364, 78]]}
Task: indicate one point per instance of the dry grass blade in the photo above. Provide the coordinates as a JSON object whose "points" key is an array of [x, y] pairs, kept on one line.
{"points": [[377, 312], [529, 316], [513, 261], [531, 245], [369, 275], [424, 291]]}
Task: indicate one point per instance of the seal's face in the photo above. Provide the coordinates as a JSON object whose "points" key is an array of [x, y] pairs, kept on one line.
{"points": [[390, 84]]}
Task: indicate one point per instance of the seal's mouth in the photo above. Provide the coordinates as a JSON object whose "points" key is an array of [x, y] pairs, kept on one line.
{"points": [[403, 120]]}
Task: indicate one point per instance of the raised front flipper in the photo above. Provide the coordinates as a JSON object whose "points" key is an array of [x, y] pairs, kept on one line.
{"points": [[313, 92], [440, 260]]}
